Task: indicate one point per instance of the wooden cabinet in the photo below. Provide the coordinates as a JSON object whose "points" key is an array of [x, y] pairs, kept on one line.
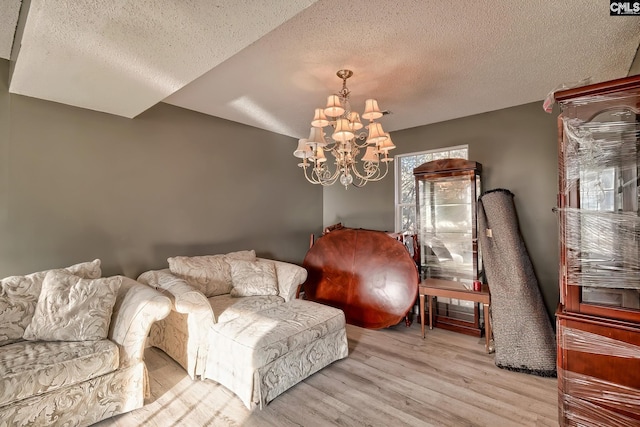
{"points": [[598, 319], [447, 191]]}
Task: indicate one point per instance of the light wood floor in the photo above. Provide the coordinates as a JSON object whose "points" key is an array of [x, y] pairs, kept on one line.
{"points": [[392, 377]]}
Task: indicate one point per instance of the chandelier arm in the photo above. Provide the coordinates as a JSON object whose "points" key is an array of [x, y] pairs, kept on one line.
{"points": [[331, 146], [364, 143], [338, 170], [376, 173], [359, 185], [371, 170], [318, 176], [306, 175], [361, 176], [364, 180], [386, 170]]}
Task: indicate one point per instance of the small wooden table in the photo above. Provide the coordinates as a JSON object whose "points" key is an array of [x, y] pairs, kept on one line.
{"points": [[450, 289]]}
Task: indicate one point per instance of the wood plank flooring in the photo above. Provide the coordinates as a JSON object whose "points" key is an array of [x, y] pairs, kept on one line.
{"points": [[392, 377]]}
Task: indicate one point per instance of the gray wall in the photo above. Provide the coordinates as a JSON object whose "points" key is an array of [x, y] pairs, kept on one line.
{"points": [[517, 148], [77, 185]]}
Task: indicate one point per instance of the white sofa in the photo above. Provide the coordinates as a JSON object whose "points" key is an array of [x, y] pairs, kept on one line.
{"points": [[235, 320], [183, 334], [73, 382]]}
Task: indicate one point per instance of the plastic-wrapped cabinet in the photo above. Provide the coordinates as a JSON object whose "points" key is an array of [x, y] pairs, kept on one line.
{"points": [[598, 319]]}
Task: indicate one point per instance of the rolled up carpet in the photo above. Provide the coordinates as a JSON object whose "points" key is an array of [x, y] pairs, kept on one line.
{"points": [[523, 335]]}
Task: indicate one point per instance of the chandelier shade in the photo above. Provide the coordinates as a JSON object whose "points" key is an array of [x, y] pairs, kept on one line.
{"points": [[386, 144], [371, 110], [342, 132], [334, 107], [304, 149], [354, 119], [319, 119], [371, 155], [376, 134], [349, 139], [316, 136], [318, 155], [384, 148]]}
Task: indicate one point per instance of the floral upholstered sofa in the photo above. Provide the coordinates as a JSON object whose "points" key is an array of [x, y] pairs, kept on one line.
{"points": [[202, 292], [236, 320], [71, 345]]}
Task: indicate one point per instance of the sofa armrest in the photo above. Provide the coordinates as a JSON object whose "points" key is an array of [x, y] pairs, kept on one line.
{"points": [[137, 307], [290, 277], [184, 298]]}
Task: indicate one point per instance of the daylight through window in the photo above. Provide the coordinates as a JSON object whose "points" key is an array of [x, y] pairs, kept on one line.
{"points": [[405, 182]]}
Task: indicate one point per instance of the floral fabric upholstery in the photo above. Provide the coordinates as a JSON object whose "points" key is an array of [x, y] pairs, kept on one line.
{"points": [[290, 278], [81, 404], [81, 383], [253, 278], [210, 274], [172, 336], [30, 369], [71, 308], [19, 296], [183, 335], [179, 334], [262, 354], [137, 308], [245, 255], [230, 307]]}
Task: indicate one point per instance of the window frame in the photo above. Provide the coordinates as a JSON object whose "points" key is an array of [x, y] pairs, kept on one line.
{"points": [[398, 206]]}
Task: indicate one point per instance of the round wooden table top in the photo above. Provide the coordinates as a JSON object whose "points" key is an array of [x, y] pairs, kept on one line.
{"points": [[366, 273]]}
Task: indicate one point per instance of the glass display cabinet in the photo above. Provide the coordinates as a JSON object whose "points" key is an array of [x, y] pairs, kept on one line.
{"points": [[598, 319], [447, 191]]}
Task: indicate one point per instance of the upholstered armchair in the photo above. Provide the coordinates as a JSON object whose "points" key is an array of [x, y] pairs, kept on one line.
{"points": [[183, 334], [66, 379]]}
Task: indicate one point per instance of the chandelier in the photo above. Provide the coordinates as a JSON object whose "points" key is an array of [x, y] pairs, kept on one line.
{"points": [[348, 140]]}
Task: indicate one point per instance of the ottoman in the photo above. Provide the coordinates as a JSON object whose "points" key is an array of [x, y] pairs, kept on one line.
{"points": [[260, 355]]}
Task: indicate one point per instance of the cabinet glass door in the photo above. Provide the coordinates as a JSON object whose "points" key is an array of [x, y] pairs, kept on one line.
{"points": [[601, 220], [447, 237]]}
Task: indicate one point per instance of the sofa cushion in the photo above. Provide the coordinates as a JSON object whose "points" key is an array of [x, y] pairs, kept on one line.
{"points": [[210, 274], [251, 278], [71, 308], [299, 323], [33, 368], [226, 308], [245, 255], [19, 295]]}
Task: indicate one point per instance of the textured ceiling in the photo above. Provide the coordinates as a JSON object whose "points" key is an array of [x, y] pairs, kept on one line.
{"points": [[123, 56], [269, 63], [9, 10]]}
